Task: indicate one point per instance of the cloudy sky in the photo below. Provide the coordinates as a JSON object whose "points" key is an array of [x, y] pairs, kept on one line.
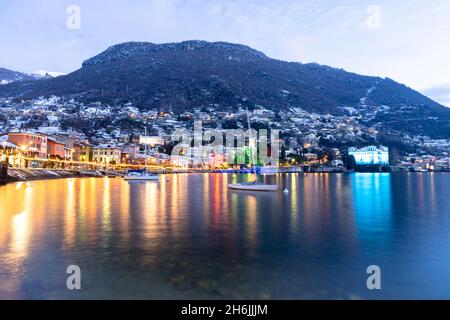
{"points": [[407, 40]]}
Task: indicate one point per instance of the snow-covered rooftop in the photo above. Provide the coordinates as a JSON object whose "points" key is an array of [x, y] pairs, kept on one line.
{"points": [[6, 144]]}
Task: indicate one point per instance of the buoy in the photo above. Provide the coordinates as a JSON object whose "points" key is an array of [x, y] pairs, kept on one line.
{"points": [[286, 190]]}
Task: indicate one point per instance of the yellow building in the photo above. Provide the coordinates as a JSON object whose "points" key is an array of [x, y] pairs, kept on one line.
{"points": [[106, 154]]}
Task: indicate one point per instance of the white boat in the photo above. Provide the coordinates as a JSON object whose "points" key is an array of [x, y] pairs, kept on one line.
{"points": [[253, 186], [270, 170], [140, 175]]}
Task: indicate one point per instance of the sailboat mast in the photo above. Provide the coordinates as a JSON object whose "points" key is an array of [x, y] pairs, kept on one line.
{"points": [[249, 141], [145, 150]]}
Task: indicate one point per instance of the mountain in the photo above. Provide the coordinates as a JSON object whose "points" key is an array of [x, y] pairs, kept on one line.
{"points": [[8, 76], [182, 76], [48, 74]]}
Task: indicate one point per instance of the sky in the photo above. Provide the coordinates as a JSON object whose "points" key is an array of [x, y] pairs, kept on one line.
{"points": [[406, 40]]}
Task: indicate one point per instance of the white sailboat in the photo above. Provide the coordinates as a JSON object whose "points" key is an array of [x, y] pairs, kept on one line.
{"points": [[141, 175], [253, 185]]}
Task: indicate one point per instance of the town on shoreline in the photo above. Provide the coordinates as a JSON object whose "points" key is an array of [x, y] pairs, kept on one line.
{"points": [[53, 133], [30, 154]]}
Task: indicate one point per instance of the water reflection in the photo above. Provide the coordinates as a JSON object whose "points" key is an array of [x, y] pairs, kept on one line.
{"points": [[189, 236], [20, 237], [373, 205], [69, 215], [106, 210]]}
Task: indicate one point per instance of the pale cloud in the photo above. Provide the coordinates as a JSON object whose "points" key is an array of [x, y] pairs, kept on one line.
{"points": [[411, 45], [440, 93]]}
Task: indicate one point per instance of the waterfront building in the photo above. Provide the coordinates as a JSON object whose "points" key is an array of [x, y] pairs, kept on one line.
{"points": [[55, 149], [180, 161], [33, 145], [132, 150], [310, 156], [151, 140], [370, 155], [68, 153], [197, 154], [107, 154], [234, 155], [82, 152], [70, 138], [77, 144], [125, 157], [337, 163], [8, 153]]}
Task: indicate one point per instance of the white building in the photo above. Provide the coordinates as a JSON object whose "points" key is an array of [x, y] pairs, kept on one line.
{"points": [[370, 155], [132, 150], [337, 163], [106, 154], [151, 140]]}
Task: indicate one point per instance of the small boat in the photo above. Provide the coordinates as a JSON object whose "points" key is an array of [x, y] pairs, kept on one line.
{"points": [[140, 175], [253, 186], [269, 170]]}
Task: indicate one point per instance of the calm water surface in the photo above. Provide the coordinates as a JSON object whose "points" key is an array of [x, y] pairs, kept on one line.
{"points": [[188, 236]]}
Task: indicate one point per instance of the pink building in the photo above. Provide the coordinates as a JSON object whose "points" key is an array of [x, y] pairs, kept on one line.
{"points": [[55, 149], [33, 145]]}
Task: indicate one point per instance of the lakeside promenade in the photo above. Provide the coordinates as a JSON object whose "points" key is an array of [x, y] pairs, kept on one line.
{"points": [[24, 174]]}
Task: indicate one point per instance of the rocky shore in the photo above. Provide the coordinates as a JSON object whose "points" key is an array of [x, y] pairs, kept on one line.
{"points": [[43, 174]]}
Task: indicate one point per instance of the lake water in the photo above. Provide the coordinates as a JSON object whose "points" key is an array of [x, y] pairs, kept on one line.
{"points": [[189, 237]]}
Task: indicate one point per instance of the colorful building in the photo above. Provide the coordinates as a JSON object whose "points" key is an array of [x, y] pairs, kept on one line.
{"points": [[132, 150], [151, 140], [107, 154], [68, 153], [370, 155], [33, 145], [82, 152], [9, 153], [55, 149]]}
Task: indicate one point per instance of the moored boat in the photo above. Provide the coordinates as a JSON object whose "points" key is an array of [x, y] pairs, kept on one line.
{"points": [[253, 186], [140, 175]]}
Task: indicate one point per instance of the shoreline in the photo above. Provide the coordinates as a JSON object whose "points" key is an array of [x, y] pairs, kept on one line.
{"points": [[17, 175], [41, 174]]}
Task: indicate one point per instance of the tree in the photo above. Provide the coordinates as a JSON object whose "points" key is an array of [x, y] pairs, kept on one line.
{"points": [[229, 124], [283, 153], [349, 162]]}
